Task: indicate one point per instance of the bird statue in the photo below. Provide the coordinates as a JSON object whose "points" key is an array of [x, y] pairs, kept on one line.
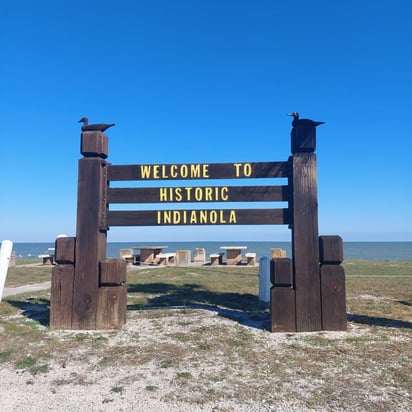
{"points": [[99, 127], [303, 122]]}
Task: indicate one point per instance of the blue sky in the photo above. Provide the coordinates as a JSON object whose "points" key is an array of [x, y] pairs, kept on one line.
{"points": [[207, 81]]}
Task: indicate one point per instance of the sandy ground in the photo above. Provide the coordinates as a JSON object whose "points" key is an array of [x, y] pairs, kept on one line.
{"points": [[75, 382]]}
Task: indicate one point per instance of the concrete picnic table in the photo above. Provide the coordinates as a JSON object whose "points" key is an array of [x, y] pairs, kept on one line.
{"points": [[233, 254], [148, 253]]}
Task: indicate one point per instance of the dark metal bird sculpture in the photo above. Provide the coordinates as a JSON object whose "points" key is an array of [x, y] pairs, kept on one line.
{"points": [[101, 127], [303, 122]]}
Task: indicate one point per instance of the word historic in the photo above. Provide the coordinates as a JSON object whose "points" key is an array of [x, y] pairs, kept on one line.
{"points": [[195, 194], [196, 217]]}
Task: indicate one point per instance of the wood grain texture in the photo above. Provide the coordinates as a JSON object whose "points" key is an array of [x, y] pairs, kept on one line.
{"points": [[214, 171], [282, 309], [90, 241], [333, 297], [305, 242], [61, 297], [183, 194], [64, 250], [186, 217], [111, 307]]}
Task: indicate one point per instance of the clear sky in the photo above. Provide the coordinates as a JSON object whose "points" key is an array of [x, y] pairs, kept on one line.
{"points": [[190, 81]]}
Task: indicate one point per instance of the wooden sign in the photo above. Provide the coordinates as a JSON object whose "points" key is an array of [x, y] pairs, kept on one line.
{"points": [[198, 194], [198, 171], [198, 217]]}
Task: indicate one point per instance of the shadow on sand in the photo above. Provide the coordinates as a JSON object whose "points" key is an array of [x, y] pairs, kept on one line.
{"points": [[242, 308]]}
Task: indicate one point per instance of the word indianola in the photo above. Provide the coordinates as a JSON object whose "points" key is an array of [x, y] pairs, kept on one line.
{"points": [[196, 217]]}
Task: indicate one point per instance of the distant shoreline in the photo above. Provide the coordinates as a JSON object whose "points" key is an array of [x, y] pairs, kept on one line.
{"points": [[374, 251]]}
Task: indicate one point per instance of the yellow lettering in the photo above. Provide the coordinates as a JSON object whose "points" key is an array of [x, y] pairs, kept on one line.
{"points": [[198, 194], [222, 217], [184, 171], [232, 216], [225, 195], [193, 218], [195, 171], [206, 171], [145, 171], [167, 217], [237, 169], [164, 174], [173, 171], [203, 217], [163, 194], [208, 194], [243, 170], [178, 194], [196, 217], [156, 172]]}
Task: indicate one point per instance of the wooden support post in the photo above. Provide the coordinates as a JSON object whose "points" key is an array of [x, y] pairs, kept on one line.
{"points": [[282, 309], [111, 307], [332, 276], [91, 230], [282, 296], [61, 297], [113, 272], [281, 272], [64, 250], [305, 242]]}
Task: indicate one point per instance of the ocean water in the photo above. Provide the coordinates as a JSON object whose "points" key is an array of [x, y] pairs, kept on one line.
{"points": [[351, 250]]}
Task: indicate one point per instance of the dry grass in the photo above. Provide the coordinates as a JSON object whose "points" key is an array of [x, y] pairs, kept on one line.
{"points": [[196, 336]]}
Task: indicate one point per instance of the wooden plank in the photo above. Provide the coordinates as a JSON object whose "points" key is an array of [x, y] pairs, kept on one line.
{"points": [[198, 217], [333, 297], [111, 307], [64, 250], [281, 272], [90, 241], [282, 309], [330, 249], [61, 297], [198, 194], [305, 242], [113, 272], [239, 170]]}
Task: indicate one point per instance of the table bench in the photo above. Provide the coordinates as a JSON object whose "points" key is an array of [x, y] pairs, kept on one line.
{"points": [[251, 258], [216, 259], [47, 259], [166, 258]]}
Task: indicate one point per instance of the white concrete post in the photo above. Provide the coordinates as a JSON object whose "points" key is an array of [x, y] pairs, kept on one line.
{"points": [[5, 253], [183, 258], [264, 281]]}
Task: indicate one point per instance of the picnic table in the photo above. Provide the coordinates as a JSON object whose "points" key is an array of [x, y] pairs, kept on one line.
{"points": [[149, 254], [233, 254]]}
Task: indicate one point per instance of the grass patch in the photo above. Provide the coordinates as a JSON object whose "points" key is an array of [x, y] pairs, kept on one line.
{"points": [[25, 275]]}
